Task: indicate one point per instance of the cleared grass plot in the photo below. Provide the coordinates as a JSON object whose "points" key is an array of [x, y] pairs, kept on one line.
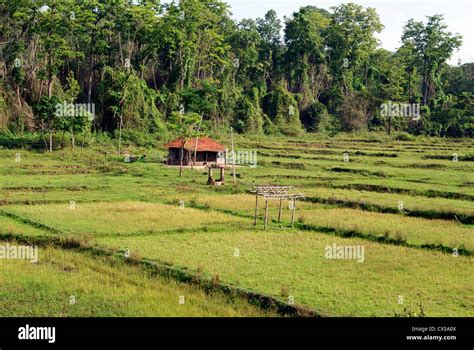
{"points": [[389, 200], [66, 283], [287, 264], [238, 203], [26, 189], [14, 227], [415, 231], [120, 217]]}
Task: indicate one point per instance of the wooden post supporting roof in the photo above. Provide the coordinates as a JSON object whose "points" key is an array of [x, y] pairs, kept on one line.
{"points": [[210, 179], [266, 214], [279, 210], [293, 212], [222, 175]]}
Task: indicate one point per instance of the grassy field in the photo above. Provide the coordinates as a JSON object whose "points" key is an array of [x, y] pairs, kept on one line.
{"points": [[120, 218], [293, 264], [409, 204], [72, 284]]}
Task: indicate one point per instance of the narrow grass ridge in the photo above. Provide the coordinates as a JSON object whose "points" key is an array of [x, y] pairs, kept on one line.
{"points": [[464, 158], [407, 191], [30, 222], [427, 214]]}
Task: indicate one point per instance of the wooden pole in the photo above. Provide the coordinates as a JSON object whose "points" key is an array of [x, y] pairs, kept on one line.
{"points": [[233, 153], [209, 176], [293, 212], [266, 214], [195, 152], [196, 146], [181, 162], [256, 209], [279, 211]]}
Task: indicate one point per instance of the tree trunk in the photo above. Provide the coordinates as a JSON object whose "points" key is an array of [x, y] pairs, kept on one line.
{"points": [[182, 70], [50, 77], [45, 142], [120, 136], [51, 140], [91, 69]]}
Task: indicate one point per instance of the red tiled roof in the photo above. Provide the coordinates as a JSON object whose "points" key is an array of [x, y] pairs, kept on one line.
{"points": [[205, 144]]}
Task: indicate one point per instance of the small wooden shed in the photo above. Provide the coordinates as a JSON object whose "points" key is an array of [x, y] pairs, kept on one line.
{"points": [[200, 151]]}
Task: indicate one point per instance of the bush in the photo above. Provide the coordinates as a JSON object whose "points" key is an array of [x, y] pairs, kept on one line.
{"points": [[316, 118], [403, 136], [138, 138], [28, 140], [353, 112]]}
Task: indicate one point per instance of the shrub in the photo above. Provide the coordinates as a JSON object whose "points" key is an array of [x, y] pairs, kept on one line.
{"points": [[9, 140], [315, 117], [403, 136], [137, 137], [353, 112]]}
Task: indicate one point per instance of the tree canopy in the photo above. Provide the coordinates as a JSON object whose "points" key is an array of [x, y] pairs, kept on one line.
{"points": [[152, 66]]}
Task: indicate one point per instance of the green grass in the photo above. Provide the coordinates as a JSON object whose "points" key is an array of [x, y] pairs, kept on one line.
{"points": [[12, 226], [102, 288], [392, 201], [414, 231], [279, 261], [137, 206], [117, 218]]}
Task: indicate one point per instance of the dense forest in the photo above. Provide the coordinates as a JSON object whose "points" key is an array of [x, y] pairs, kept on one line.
{"points": [[71, 67]]}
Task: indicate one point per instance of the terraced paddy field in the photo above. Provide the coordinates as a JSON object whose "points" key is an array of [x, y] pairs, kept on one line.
{"points": [[405, 207], [68, 283]]}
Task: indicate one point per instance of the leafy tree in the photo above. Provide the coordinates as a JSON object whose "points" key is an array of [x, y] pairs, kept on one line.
{"points": [[304, 38], [350, 41], [430, 46], [269, 28], [46, 118]]}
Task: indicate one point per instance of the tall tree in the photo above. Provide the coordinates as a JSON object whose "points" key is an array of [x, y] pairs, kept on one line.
{"points": [[431, 45], [305, 56]]}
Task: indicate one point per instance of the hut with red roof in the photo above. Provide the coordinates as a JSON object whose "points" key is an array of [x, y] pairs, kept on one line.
{"points": [[200, 151]]}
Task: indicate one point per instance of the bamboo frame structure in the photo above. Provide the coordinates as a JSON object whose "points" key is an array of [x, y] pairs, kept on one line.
{"points": [[276, 193]]}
